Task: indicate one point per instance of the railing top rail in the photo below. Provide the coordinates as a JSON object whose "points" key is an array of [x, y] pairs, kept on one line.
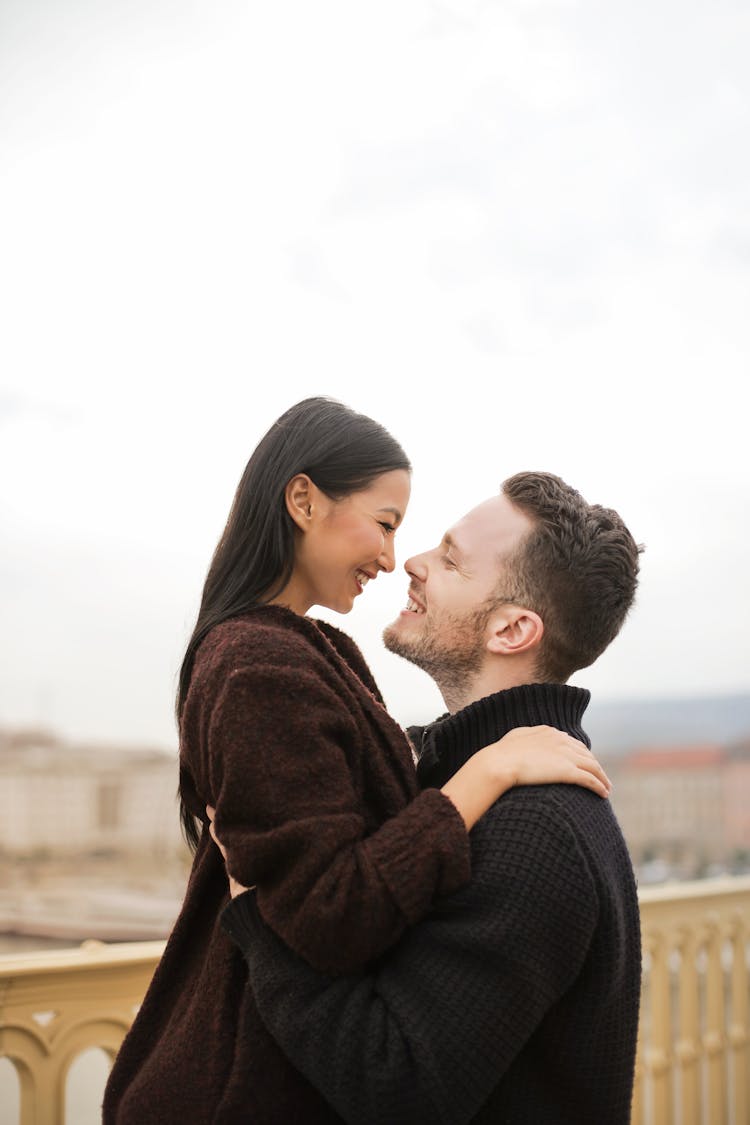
{"points": [[724, 886], [90, 955], [93, 954]]}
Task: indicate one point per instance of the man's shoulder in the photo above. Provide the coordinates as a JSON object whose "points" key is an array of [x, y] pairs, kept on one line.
{"points": [[562, 820], [544, 828], [526, 864], [551, 805], [556, 802]]}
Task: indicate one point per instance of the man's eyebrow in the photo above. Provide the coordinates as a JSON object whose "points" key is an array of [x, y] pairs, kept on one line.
{"points": [[451, 544], [394, 512]]}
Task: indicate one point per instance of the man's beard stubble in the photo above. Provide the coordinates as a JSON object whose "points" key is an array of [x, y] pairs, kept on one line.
{"points": [[450, 650]]}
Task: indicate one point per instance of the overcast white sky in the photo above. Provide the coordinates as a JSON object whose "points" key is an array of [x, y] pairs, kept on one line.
{"points": [[517, 233]]}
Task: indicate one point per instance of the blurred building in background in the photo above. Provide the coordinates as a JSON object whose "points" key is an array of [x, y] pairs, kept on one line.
{"points": [[73, 799], [685, 810], [90, 842]]}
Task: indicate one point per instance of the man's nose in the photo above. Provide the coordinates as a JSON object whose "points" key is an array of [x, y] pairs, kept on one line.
{"points": [[416, 567]]}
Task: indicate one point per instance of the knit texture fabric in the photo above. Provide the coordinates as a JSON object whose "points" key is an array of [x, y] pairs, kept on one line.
{"points": [[517, 999], [285, 734]]}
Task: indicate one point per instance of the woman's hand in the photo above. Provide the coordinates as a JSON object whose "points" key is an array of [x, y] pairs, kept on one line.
{"points": [[542, 755], [235, 888], [525, 756]]}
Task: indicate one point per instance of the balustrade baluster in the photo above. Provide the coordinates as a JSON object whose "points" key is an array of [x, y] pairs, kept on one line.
{"points": [[41, 1098], [637, 1110], [713, 1039], [658, 1056], [687, 1048], [739, 1028]]}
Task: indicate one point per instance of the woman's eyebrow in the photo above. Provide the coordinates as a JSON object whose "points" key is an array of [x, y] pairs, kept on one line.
{"points": [[394, 512]]}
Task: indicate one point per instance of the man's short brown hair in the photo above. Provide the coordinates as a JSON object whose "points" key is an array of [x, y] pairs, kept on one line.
{"points": [[577, 568]]}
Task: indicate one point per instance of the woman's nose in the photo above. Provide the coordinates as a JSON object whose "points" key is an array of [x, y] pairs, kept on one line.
{"points": [[387, 557]]}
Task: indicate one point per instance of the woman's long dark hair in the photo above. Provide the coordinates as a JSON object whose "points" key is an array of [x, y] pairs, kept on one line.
{"points": [[342, 452]]}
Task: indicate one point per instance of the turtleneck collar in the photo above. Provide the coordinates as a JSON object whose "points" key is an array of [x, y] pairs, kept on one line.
{"points": [[444, 746]]}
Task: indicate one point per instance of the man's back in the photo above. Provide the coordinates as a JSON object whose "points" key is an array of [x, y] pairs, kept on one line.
{"points": [[555, 856]]}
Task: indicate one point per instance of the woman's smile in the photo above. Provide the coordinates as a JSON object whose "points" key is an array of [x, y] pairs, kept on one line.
{"points": [[362, 578]]}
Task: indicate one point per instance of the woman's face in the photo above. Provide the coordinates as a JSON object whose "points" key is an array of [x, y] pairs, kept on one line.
{"points": [[346, 543]]}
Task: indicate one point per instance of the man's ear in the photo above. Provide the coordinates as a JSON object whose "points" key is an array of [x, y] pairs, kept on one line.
{"points": [[513, 630], [298, 496]]}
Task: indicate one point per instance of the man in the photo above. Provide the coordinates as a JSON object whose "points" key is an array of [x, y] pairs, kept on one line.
{"points": [[517, 999]]}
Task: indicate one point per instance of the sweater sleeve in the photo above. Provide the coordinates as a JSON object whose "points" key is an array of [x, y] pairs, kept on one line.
{"points": [[427, 1036], [291, 820]]}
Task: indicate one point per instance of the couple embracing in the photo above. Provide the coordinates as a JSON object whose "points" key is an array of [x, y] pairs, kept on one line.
{"points": [[382, 927]]}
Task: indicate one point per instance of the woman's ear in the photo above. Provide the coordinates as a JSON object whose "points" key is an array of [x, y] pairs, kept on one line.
{"points": [[514, 630], [298, 495]]}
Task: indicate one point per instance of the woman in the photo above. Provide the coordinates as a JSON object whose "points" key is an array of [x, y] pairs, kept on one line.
{"points": [[284, 732]]}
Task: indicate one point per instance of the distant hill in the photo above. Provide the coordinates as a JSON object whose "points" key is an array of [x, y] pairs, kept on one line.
{"points": [[615, 727]]}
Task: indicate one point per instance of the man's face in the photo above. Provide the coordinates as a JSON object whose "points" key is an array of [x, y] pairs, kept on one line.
{"points": [[444, 627]]}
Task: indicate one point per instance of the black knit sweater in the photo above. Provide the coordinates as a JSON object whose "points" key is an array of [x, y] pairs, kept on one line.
{"points": [[517, 999]]}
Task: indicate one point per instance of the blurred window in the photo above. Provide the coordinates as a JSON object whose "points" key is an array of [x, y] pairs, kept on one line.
{"points": [[109, 805]]}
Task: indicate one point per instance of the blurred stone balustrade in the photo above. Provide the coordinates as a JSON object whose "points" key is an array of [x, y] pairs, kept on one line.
{"points": [[694, 1051]]}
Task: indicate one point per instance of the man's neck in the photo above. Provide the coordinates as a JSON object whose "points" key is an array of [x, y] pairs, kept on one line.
{"points": [[445, 745], [486, 682]]}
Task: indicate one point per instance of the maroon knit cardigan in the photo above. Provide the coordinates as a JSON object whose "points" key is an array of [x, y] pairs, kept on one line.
{"points": [[285, 733]]}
